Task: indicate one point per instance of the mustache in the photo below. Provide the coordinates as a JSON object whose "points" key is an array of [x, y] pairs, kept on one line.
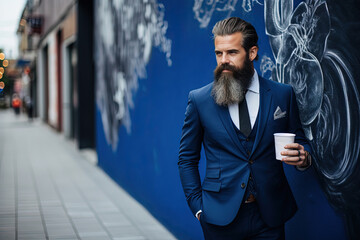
{"points": [[225, 66]]}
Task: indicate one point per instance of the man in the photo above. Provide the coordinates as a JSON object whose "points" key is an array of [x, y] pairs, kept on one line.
{"points": [[245, 194]]}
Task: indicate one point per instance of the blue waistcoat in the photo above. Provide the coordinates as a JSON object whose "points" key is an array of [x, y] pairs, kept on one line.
{"points": [[248, 143]]}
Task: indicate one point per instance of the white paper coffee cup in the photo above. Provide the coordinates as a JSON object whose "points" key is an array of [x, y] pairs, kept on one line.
{"points": [[282, 139]]}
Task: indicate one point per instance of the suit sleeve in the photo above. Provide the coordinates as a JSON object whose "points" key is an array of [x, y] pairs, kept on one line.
{"points": [[189, 156], [295, 125]]}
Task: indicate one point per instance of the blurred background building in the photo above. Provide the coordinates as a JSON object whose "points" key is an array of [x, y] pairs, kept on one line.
{"points": [[62, 91]]}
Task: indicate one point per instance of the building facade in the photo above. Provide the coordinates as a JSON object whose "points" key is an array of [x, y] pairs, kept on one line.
{"points": [[49, 41]]}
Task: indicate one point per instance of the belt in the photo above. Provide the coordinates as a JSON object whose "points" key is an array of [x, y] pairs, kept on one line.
{"points": [[250, 199]]}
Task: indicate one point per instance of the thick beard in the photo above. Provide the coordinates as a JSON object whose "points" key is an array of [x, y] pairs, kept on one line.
{"points": [[230, 87]]}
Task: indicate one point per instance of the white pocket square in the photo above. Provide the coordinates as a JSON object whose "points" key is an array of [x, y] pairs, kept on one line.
{"points": [[278, 113]]}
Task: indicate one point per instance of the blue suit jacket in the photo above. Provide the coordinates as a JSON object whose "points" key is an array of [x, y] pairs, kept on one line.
{"points": [[228, 165]]}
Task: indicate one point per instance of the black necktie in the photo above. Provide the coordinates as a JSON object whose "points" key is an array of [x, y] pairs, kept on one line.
{"points": [[245, 125]]}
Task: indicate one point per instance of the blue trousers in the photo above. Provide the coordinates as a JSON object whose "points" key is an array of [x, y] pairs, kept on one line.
{"points": [[247, 225]]}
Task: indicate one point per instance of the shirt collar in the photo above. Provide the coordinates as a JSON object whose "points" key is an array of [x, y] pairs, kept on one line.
{"points": [[254, 85]]}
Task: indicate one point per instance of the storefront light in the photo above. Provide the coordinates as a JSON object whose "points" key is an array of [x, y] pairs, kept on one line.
{"points": [[5, 63]]}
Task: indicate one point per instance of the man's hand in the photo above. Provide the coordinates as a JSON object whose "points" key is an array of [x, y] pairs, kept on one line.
{"points": [[296, 155], [198, 216]]}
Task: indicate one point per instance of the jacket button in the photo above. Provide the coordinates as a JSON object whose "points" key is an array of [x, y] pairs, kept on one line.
{"points": [[243, 185], [251, 161]]}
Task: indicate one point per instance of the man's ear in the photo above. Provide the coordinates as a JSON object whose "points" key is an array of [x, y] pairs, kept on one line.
{"points": [[253, 52]]}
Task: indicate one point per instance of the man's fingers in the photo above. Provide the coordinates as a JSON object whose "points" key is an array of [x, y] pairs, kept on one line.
{"points": [[293, 153], [294, 146], [295, 161], [292, 159]]}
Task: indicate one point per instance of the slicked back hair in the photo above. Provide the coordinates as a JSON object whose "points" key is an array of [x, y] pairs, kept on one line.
{"points": [[233, 25]]}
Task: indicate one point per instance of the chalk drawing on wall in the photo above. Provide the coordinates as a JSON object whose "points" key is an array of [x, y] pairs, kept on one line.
{"points": [[298, 51], [204, 9], [125, 33], [266, 65], [326, 92]]}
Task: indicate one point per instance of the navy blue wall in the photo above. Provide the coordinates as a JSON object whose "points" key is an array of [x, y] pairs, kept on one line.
{"points": [[143, 157]]}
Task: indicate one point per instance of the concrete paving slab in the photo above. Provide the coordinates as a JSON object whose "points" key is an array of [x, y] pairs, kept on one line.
{"points": [[51, 190]]}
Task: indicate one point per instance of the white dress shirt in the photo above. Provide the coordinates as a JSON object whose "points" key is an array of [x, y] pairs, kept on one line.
{"points": [[253, 102]]}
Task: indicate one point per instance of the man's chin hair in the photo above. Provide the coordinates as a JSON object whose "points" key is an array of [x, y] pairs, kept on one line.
{"points": [[230, 87], [225, 102], [227, 90]]}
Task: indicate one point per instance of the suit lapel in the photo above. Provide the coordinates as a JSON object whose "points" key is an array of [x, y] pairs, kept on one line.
{"points": [[228, 124], [264, 110]]}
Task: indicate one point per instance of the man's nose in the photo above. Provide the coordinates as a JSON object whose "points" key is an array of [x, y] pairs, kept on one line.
{"points": [[225, 58]]}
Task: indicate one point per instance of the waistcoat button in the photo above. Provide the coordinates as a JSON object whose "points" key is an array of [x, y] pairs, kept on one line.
{"points": [[243, 185]]}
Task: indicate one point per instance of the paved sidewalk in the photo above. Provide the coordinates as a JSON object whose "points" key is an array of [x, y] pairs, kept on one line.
{"points": [[48, 190]]}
